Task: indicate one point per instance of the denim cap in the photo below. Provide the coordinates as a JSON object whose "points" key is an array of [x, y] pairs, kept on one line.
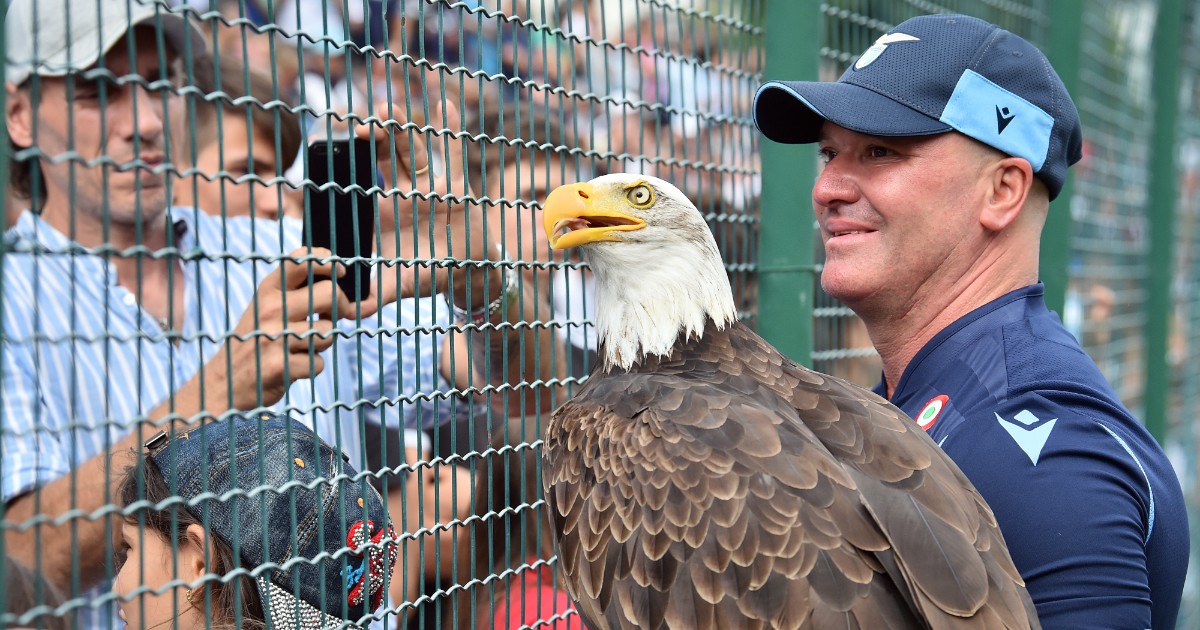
{"points": [[933, 74], [313, 533], [53, 38]]}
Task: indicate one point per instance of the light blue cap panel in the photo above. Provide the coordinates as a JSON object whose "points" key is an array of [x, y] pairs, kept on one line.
{"points": [[993, 115]]}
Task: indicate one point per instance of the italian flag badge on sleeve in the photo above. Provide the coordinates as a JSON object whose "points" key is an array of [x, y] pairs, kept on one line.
{"points": [[930, 412]]}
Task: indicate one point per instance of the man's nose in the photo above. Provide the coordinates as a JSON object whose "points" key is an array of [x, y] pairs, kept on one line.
{"points": [[834, 188], [137, 116], [266, 200]]}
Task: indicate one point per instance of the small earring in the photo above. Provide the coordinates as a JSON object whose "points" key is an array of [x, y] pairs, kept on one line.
{"points": [[188, 596]]}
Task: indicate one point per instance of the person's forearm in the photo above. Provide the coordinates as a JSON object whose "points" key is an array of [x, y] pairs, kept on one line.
{"points": [[542, 357], [522, 355], [464, 282], [479, 282], [79, 545]]}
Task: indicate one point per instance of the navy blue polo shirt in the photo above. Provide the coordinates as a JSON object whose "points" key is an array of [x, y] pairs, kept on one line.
{"points": [[1091, 509]]}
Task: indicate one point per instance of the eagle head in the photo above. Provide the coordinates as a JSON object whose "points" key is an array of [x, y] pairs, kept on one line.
{"points": [[659, 274]]}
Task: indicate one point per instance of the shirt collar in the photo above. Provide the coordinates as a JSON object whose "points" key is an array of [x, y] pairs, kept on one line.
{"points": [[946, 344], [33, 234]]}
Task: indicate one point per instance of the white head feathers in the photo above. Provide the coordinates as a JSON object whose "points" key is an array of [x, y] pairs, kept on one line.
{"points": [[656, 281]]}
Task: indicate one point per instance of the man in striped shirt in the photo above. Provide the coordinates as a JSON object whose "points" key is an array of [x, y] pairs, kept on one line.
{"points": [[121, 314]]}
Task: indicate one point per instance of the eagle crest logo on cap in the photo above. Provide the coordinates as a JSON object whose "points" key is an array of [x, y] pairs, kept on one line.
{"points": [[881, 45]]}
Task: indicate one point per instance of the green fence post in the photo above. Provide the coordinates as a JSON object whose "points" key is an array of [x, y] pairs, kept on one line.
{"points": [[4, 156], [1167, 42], [785, 246], [1066, 30]]}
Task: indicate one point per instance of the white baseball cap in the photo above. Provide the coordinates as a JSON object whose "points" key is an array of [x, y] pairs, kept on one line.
{"points": [[52, 38]]}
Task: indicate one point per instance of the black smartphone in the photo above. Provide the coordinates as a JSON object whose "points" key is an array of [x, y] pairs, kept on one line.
{"points": [[342, 221]]}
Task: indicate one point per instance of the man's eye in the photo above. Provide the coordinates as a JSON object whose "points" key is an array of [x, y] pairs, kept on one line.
{"points": [[86, 90], [880, 152], [825, 155], [235, 169], [88, 85]]}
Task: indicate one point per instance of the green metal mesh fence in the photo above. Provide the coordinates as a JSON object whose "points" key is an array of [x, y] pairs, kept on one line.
{"points": [[122, 319], [1184, 386], [1109, 239], [1112, 261], [157, 278]]}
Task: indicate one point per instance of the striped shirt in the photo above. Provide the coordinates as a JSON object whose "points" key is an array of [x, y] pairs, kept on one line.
{"points": [[82, 360]]}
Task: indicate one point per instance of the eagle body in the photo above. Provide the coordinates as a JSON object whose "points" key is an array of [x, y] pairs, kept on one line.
{"points": [[718, 485]]}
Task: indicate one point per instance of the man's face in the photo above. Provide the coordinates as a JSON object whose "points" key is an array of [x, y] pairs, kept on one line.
{"points": [[898, 216], [233, 154], [101, 120]]}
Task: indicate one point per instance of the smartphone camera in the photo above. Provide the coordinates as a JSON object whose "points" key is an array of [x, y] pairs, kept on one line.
{"points": [[342, 217]]}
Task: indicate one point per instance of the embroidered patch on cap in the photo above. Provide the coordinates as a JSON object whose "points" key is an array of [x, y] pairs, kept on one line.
{"points": [[880, 45], [369, 564], [995, 116]]}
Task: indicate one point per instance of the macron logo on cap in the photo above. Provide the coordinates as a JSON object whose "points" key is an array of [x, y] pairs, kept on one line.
{"points": [[881, 45], [1018, 127], [1003, 117]]}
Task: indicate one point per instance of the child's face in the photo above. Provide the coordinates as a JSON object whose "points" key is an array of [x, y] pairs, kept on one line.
{"points": [[146, 561]]}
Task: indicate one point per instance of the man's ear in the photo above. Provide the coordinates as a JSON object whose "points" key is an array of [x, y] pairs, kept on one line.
{"points": [[1010, 181], [195, 553], [18, 115]]}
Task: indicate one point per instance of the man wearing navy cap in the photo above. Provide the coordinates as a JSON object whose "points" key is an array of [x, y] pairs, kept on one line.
{"points": [[942, 147]]}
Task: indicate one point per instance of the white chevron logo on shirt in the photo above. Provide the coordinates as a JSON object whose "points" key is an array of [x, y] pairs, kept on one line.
{"points": [[1031, 439]]}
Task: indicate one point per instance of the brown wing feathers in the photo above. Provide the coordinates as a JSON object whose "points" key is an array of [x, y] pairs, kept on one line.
{"points": [[725, 487]]}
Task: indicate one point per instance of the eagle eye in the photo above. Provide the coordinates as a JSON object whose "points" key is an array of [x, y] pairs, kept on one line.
{"points": [[641, 196]]}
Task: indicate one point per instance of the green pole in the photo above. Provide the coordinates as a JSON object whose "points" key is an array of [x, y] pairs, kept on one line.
{"points": [[4, 210], [1167, 42], [785, 246], [4, 213], [1066, 32]]}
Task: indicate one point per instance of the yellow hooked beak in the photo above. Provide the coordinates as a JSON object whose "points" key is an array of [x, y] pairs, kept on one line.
{"points": [[587, 219]]}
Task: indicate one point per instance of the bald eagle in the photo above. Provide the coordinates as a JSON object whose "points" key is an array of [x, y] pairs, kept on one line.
{"points": [[701, 480]]}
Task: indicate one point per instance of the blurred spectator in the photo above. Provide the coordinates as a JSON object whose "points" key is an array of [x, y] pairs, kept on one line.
{"points": [[24, 591], [347, 53], [550, 52], [241, 31], [179, 339], [236, 154], [529, 153], [362, 22]]}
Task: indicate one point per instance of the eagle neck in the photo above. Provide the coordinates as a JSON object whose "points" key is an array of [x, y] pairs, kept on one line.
{"points": [[668, 297]]}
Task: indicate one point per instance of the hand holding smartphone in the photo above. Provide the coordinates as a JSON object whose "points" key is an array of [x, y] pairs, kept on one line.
{"points": [[342, 221]]}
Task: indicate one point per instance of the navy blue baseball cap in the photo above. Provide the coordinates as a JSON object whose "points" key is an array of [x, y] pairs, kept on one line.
{"points": [[933, 74], [310, 529]]}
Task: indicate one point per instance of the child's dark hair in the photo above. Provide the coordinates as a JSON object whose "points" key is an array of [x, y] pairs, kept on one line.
{"points": [[239, 593], [25, 590]]}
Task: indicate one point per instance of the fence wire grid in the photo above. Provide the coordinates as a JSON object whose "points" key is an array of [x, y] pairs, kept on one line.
{"points": [[158, 278], [159, 284]]}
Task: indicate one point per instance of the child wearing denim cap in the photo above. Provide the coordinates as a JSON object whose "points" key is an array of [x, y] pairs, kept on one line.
{"points": [[250, 522]]}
